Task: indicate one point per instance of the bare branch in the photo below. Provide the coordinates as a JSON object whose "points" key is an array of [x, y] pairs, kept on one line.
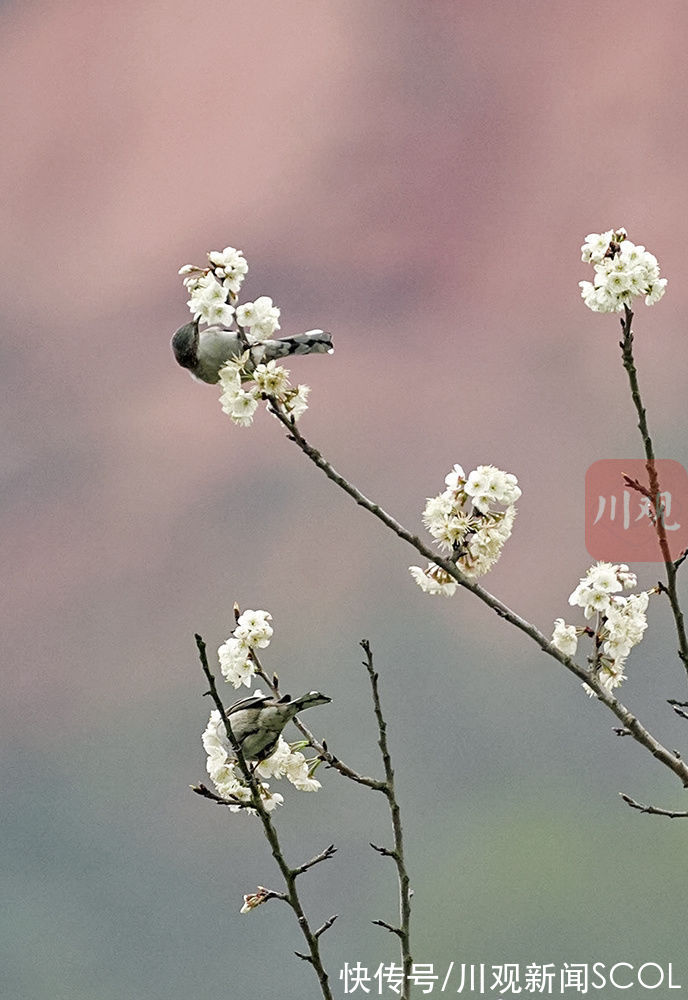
{"points": [[681, 559], [388, 927], [653, 810], [629, 721], [654, 491], [384, 851], [326, 926], [324, 856], [403, 931]]}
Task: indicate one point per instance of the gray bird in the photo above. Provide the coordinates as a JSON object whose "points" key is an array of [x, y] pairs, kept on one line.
{"points": [[204, 352], [258, 722]]}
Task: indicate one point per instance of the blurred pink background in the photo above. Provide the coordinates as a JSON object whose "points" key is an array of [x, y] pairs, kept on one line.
{"points": [[417, 178]]}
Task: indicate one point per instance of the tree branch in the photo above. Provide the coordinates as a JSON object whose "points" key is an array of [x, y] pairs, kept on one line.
{"points": [[654, 492], [323, 856], [403, 931], [629, 721], [289, 874], [652, 810]]}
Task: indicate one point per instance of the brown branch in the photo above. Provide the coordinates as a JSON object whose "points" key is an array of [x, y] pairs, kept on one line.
{"points": [[629, 721], [323, 856], [326, 926], [289, 874], [392, 930], [384, 851], [403, 931], [206, 793], [653, 810], [654, 492]]}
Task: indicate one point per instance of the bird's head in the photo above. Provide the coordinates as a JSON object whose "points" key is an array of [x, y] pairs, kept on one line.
{"points": [[185, 344], [312, 698]]}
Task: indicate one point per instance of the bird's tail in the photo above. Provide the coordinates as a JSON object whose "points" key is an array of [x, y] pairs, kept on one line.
{"points": [[312, 342]]}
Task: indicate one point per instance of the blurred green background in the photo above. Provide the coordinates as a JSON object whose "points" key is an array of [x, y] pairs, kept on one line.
{"points": [[417, 178]]}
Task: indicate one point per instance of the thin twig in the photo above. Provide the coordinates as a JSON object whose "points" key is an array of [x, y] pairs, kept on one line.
{"points": [[323, 856], [326, 926], [670, 565], [629, 721], [403, 931], [392, 930], [289, 874], [384, 851], [206, 793], [681, 559], [652, 810]]}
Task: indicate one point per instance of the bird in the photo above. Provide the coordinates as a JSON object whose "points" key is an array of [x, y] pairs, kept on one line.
{"points": [[204, 352], [257, 721]]}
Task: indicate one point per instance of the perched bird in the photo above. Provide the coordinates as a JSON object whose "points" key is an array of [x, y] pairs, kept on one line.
{"points": [[204, 352], [257, 722]]}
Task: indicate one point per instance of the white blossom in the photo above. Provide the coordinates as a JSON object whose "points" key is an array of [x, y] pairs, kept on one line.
{"points": [[285, 762], [434, 580], [270, 799], [467, 522], [622, 272], [236, 664], [208, 300], [240, 404], [299, 774], [596, 246], [601, 580], [230, 375], [456, 478], [275, 765], [253, 628], [609, 677], [620, 620], [214, 738], [272, 379], [295, 401], [230, 267], [261, 316], [565, 637]]}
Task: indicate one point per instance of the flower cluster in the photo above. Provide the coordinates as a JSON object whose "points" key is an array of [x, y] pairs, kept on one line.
{"points": [[471, 520], [253, 630], [622, 271], [214, 292], [240, 400], [620, 621], [238, 666]]}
